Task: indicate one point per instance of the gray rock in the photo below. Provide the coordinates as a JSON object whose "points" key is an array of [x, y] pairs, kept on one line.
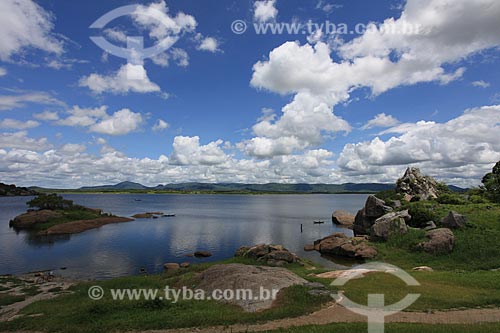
{"points": [[319, 292], [390, 224], [454, 221], [238, 276], [430, 226], [315, 285], [441, 241], [374, 208], [414, 185], [341, 245], [342, 217]]}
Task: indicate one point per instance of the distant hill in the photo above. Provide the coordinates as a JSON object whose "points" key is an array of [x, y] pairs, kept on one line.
{"points": [[119, 186], [239, 188], [13, 190], [246, 188]]}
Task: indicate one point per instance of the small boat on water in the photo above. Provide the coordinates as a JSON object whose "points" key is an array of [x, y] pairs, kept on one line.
{"points": [[168, 215], [318, 222]]}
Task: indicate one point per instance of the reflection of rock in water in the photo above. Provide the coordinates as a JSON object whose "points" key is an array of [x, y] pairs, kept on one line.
{"points": [[34, 239]]}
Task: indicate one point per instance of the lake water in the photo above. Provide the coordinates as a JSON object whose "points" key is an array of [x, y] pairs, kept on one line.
{"points": [[217, 223]]}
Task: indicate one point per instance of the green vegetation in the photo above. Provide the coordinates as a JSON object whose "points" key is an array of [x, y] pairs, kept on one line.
{"points": [[394, 328], [491, 182], [77, 313], [74, 214], [6, 299], [476, 246], [51, 202]]}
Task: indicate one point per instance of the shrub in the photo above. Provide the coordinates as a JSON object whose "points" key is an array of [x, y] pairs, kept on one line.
{"points": [[389, 196], [50, 201], [478, 199], [420, 215], [491, 182], [451, 199]]}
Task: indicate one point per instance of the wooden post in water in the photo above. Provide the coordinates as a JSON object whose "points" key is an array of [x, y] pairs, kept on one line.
{"points": [[301, 228]]}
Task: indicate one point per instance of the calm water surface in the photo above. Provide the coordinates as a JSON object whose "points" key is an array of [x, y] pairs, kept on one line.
{"points": [[217, 223]]}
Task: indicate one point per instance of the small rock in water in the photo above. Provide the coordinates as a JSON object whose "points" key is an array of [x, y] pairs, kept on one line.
{"points": [[202, 254], [171, 266], [309, 247]]}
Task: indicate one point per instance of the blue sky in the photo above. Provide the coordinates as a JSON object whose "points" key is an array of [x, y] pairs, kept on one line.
{"points": [[217, 106]]}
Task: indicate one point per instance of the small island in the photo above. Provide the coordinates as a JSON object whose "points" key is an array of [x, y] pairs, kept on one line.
{"points": [[51, 214]]}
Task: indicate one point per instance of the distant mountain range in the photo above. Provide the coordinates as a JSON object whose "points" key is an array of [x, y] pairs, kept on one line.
{"points": [[246, 188], [240, 188]]}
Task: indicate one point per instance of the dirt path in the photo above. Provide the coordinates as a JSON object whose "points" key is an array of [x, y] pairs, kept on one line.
{"points": [[338, 314], [46, 290]]}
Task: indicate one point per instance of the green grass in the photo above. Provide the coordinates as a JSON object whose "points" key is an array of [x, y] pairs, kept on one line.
{"points": [[77, 313], [69, 215], [394, 328], [476, 246], [6, 299], [439, 290]]}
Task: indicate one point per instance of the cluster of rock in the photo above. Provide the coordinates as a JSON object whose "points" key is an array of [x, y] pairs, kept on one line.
{"points": [[413, 185], [273, 255], [340, 245], [379, 221]]}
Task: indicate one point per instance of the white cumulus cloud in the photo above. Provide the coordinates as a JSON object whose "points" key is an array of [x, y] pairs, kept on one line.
{"points": [[265, 10], [381, 120]]}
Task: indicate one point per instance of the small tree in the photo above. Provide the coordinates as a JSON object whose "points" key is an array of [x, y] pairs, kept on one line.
{"points": [[50, 201], [491, 183]]}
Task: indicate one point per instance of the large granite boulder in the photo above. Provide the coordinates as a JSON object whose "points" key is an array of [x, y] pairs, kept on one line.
{"points": [[340, 245], [343, 218], [273, 255], [29, 219], [365, 218], [440, 241], [414, 185], [390, 224], [248, 277], [454, 221]]}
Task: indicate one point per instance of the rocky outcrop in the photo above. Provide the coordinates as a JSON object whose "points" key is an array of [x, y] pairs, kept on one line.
{"points": [[390, 224], [29, 219], [340, 245], [248, 277], [75, 227], [273, 255], [441, 241], [148, 215], [365, 218], [454, 221], [343, 218], [413, 185]]}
